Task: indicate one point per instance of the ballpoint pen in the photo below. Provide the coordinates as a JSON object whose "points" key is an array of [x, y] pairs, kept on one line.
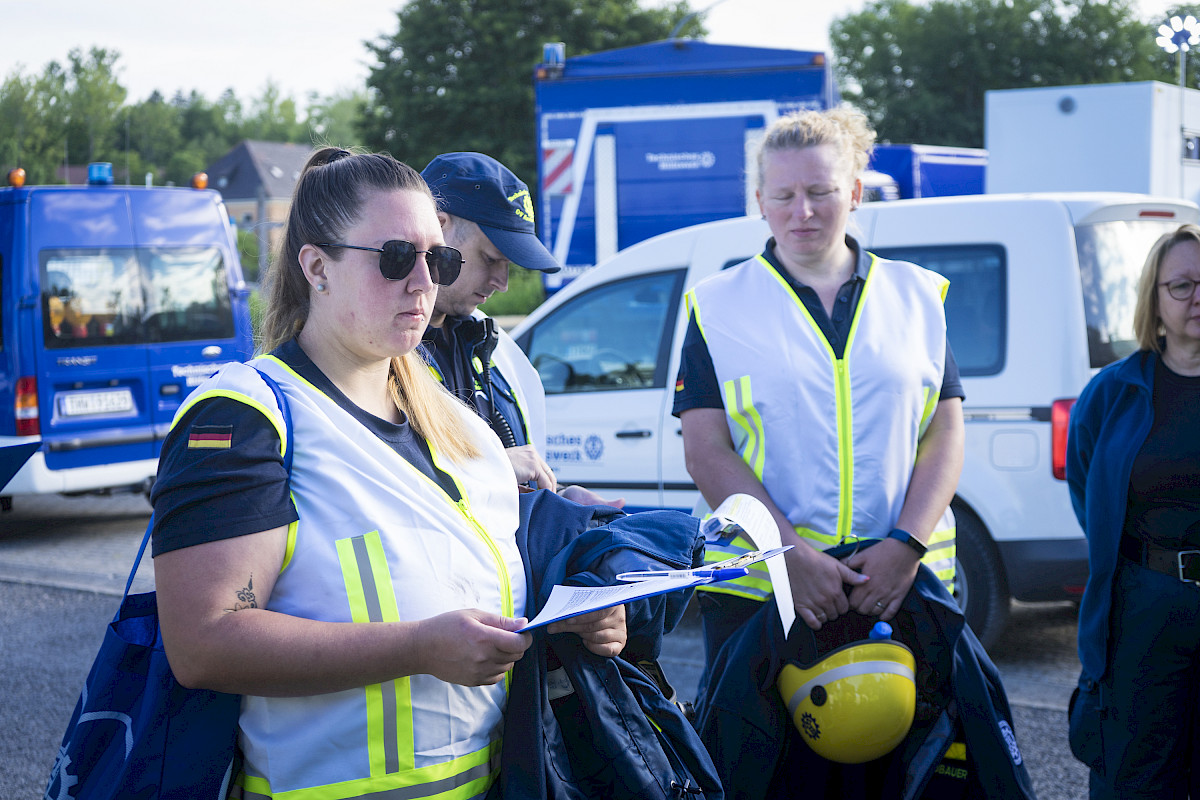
{"points": [[713, 575]]}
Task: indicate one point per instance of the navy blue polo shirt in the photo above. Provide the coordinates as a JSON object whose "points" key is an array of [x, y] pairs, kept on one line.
{"points": [[696, 385], [207, 494]]}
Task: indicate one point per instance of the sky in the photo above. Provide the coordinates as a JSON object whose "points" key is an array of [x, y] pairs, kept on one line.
{"points": [[305, 46], [301, 45]]}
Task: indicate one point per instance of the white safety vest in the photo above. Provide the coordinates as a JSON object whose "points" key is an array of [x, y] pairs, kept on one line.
{"points": [[832, 440], [378, 541]]}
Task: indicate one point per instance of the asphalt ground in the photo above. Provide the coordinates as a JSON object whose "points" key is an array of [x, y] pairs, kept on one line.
{"points": [[63, 565]]}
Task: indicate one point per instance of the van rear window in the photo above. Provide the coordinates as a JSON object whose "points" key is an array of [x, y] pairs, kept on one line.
{"points": [[117, 296], [1111, 257]]}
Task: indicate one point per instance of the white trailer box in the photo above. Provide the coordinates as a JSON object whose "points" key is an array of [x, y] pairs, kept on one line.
{"points": [[1123, 137]]}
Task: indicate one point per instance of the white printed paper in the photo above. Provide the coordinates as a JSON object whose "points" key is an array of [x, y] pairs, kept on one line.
{"points": [[748, 513], [571, 601]]}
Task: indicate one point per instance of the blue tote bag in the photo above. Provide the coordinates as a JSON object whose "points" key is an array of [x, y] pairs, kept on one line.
{"points": [[136, 734]]}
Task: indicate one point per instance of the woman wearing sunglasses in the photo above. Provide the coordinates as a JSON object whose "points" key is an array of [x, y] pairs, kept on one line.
{"points": [[1133, 468], [365, 602]]}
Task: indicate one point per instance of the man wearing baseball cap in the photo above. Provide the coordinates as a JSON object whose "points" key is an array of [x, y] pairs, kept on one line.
{"points": [[487, 214]]}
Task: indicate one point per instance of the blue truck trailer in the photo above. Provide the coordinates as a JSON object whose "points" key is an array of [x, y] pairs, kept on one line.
{"points": [[648, 139], [923, 170]]}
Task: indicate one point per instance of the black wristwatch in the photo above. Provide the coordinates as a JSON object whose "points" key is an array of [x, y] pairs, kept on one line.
{"points": [[904, 536]]}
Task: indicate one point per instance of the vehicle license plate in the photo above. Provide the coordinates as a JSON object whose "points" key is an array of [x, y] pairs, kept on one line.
{"points": [[89, 403]]}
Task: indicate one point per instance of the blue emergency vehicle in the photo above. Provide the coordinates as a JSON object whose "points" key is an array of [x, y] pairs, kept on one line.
{"points": [[115, 301]]}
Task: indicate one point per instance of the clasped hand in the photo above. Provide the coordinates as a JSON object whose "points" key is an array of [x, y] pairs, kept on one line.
{"points": [[877, 579]]}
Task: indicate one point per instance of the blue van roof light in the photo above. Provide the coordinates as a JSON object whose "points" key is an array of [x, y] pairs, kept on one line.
{"points": [[100, 173]]}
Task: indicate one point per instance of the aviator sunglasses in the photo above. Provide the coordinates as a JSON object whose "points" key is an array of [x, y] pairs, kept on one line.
{"points": [[397, 257]]}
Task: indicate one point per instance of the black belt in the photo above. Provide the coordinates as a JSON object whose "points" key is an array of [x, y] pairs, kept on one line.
{"points": [[1181, 564]]}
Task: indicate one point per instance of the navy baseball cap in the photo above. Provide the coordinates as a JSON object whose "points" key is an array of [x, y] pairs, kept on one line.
{"points": [[479, 188]]}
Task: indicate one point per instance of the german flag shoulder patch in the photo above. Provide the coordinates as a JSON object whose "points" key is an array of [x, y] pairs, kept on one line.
{"points": [[210, 437]]}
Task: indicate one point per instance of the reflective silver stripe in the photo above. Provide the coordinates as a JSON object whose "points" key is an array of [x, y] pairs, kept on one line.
{"points": [[432, 788], [847, 671], [362, 560], [391, 736], [940, 564], [402, 793], [945, 544]]}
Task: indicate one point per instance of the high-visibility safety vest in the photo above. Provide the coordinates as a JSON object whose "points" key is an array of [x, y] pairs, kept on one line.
{"points": [[378, 541], [833, 440]]}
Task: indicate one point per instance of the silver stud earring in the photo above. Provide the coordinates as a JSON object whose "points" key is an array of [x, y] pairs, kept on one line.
{"points": [[320, 288]]}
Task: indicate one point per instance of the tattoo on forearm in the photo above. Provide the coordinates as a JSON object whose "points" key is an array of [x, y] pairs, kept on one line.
{"points": [[245, 597]]}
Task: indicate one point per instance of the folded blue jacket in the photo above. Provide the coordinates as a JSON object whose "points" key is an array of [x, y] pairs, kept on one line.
{"points": [[580, 726]]}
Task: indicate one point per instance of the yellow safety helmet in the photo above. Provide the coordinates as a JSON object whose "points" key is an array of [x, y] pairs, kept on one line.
{"points": [[856, 703]]}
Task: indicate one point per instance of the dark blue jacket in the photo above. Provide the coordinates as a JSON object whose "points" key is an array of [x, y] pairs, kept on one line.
{"points": [[1109, 425], [614, 734], [759, 754]]}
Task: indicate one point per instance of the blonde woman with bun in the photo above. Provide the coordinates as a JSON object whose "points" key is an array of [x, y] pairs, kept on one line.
{"points": [[817, 377]]}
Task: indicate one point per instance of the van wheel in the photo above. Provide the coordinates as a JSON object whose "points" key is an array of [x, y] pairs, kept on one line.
{"points": [[980, 586]]}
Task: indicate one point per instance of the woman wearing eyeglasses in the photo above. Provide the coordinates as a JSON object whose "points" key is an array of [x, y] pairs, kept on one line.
{"points": [[364, 605], [1133, 468]]}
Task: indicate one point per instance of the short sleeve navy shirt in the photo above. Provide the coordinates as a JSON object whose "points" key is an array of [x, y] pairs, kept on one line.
{"points": [[205, 493], [696, 385]]}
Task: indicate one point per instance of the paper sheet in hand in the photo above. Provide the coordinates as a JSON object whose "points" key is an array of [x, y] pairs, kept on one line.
{"points": [[571, 601], [752, 517]]}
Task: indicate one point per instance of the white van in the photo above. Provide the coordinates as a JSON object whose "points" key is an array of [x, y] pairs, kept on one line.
{"points": [[1041, 296]]}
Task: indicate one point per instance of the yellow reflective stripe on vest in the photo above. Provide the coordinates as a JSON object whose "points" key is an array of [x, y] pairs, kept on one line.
{"points": [[739, 405], [464, 508], [756, 585], [940, 558], [289, 549], [845, 437], [389, 705], [460, 779]]}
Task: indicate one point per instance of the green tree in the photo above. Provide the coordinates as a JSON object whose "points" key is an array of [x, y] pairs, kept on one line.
{"points": [[32, 135], [919, 72], [457, 74], [207, 131], [154, 135], [94, 100], [273, 118], [335, 119]]}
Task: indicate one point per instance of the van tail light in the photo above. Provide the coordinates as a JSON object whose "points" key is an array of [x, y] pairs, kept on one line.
{"points": [[28, 423], [1060, 415]]}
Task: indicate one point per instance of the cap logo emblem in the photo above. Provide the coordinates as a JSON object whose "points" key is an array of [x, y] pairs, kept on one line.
{"points": [[522, 205]]}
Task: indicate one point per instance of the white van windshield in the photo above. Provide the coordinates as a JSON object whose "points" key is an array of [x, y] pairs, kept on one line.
{"points": [[1111, 257], [117, 296]]}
